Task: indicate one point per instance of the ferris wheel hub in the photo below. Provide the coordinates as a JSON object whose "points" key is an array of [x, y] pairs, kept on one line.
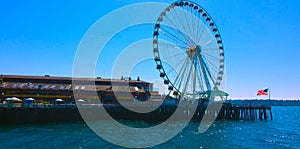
{"points": [[192, 50]]}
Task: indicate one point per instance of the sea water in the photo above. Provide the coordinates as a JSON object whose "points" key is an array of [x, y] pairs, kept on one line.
{"points": [[281, 132]]}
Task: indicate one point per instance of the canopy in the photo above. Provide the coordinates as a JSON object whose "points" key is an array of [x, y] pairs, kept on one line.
{"points": [[214, 93], [81, 100], [13, 99], [59, 100], [29, 99]]}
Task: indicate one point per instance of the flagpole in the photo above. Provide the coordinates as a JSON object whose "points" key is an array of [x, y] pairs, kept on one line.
{"points": [[269, 94]]}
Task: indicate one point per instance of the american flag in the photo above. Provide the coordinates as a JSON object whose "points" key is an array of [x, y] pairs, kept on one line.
{"points": [[262, 92]]}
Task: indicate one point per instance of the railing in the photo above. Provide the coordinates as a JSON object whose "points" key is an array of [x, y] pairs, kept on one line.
{"points": [[22, 105]]}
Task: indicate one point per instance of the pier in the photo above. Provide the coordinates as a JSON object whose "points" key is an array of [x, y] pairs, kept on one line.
{"points": [[227, 112], [12, 114], [246, 113]]}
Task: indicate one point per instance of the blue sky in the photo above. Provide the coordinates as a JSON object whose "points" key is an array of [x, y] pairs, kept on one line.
{"points": [[260, 39]]}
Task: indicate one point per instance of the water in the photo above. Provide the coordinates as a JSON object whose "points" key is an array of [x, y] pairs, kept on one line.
{"points": [[281, 132]]}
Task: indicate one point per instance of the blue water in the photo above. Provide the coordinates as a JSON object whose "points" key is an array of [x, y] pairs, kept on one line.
{"points": [[281, 132]]}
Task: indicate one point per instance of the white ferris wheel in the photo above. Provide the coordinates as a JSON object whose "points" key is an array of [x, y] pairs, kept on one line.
{"points": [[188, 51]]}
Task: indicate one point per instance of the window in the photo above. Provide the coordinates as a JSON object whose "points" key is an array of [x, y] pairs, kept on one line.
{"points": [[82, 87], [62, 87], [46, 87], [4, 84], [30, 85], [14, 85], [68, 87], [21, 85], [52, 87]]}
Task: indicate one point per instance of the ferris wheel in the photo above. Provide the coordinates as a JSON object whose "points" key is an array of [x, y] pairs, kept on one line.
{"points": [[188, 50]]}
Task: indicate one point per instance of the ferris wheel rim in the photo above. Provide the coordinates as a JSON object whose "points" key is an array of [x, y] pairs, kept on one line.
{"points": [[208, 21]]}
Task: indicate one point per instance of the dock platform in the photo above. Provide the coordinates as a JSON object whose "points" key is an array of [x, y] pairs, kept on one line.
{"points": [[10, 114]]}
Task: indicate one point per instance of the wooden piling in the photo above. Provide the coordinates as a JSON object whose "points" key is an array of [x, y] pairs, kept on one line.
{"points": [[271, 116]]}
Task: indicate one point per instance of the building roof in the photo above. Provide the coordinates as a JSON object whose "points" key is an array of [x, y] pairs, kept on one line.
{"points": [[47, 77]]}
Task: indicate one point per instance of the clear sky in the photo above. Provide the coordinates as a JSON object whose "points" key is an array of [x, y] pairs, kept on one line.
{"points": [[260, 39]]}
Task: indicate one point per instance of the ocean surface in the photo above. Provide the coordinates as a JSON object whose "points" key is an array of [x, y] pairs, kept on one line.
{"points": [[281, 132]]}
